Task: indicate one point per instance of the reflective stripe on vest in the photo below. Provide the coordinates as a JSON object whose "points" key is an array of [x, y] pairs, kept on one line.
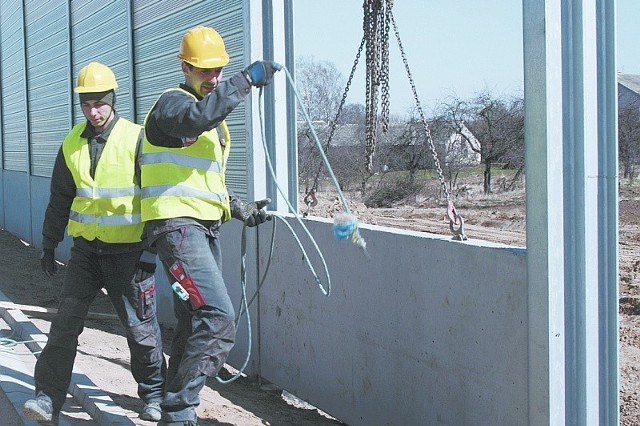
{"points": [[179, 191], [181, 160], [106, 206], [187, 181], [107, 192], [126, 219]]}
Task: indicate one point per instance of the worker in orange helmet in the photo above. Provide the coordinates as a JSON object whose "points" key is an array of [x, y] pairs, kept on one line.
{"points": [[185, 201]]}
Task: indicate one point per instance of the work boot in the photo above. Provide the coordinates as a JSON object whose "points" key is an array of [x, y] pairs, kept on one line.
{"points": [[151, 412], [40, 409]]}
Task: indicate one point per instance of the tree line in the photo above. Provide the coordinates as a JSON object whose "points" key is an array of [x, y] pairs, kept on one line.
{"points": [[486, 130]]}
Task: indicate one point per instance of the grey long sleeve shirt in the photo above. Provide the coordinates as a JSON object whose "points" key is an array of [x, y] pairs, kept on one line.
{"points": [[176, 116]]}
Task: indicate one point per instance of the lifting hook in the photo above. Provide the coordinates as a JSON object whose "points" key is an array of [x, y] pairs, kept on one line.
{"points": [[456, 219], [310, 200]]}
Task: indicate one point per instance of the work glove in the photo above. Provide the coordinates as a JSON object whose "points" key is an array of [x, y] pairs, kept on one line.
{"points": [[145, 267], [252, 214], [48, 262], [260, 73]]}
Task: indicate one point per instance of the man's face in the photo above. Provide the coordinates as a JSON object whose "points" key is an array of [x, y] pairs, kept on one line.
{"points": [[202, 80], [98, 113]]}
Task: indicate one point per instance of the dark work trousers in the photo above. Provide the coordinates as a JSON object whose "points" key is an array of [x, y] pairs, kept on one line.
{"points": [[205, 331], [134, 303]]}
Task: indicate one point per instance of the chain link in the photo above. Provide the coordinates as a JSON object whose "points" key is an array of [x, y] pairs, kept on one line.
{"points": [[369, 23], [432, 147], [334, 123], [377, 17], [376, 25], [384, 70]]}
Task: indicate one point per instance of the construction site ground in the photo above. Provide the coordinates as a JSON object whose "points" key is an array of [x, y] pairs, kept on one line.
{"points": [[103, 354]]}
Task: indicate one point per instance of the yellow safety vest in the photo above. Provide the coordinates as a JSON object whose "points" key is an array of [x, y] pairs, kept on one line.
{"points": [[107, 206], [187, 181]]}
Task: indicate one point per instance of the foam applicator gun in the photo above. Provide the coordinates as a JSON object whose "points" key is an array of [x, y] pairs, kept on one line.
{"points": [[345, 226]]}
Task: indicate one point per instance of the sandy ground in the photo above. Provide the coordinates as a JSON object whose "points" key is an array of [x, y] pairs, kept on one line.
{"points": [[103, 353], [104, 357]]}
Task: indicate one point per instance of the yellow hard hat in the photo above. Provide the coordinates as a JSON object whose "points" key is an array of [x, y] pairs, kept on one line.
{"points": [[203, 47], [94, 78]]}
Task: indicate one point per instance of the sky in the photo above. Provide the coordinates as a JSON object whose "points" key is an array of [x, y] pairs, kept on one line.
{"points": [[454, 47]]}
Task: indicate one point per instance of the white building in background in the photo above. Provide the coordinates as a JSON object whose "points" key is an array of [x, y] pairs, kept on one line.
{"points": [[463, 148]]}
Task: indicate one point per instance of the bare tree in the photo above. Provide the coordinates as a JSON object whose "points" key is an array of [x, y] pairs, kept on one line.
{"points": [[339, 130], [629, 140], [320, 85], [498, 125], [352, 114], [411, 151], [309, 160]]}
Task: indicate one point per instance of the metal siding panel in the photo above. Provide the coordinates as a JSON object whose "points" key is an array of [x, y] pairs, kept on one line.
{"points": [[158, 29], [3, 201], [13, 96], [48, 79], [1, 112], [17, 204], [237, 165], [100, 32]]}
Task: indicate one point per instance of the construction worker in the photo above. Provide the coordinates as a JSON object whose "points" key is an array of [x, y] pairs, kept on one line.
{"points": [[184, 202], [95, 194]]}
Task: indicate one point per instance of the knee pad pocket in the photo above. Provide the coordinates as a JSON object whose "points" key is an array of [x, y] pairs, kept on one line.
{"points": [[145, 300]]}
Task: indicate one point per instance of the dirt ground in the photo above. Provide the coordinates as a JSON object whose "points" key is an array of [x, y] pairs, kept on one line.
{"points": [[104, 357], [103, 353]]}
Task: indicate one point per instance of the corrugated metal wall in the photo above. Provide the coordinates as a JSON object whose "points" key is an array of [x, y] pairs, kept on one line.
{"points": [[14, 108], [62, 37], [43, 45], [158, 27], [48, 79], [1, 97], [100, 32]]}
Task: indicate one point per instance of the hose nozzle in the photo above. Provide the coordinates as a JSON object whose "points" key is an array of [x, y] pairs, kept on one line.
{"points": [[345, 226]]}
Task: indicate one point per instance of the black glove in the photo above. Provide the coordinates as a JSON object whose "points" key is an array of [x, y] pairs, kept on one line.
{"points": [[252, 214], [48, 262], [145, 267], [260, 73]]}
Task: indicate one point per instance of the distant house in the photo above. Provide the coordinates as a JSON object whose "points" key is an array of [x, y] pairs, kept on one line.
{"points": [[461, 146], [629, 92]]}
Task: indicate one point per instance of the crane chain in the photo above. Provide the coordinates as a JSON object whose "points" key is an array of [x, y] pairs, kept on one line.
{"points": [[369, 26], [432, 147], [384, 71], [334, 123], [376, 27]]}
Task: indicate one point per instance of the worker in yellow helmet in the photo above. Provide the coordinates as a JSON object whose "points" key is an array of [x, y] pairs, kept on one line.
{"points": [[184, 202], [95, 194]]}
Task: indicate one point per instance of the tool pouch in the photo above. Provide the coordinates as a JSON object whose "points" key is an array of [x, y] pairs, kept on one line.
{"points": [[146, 299], [196, 299]]}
